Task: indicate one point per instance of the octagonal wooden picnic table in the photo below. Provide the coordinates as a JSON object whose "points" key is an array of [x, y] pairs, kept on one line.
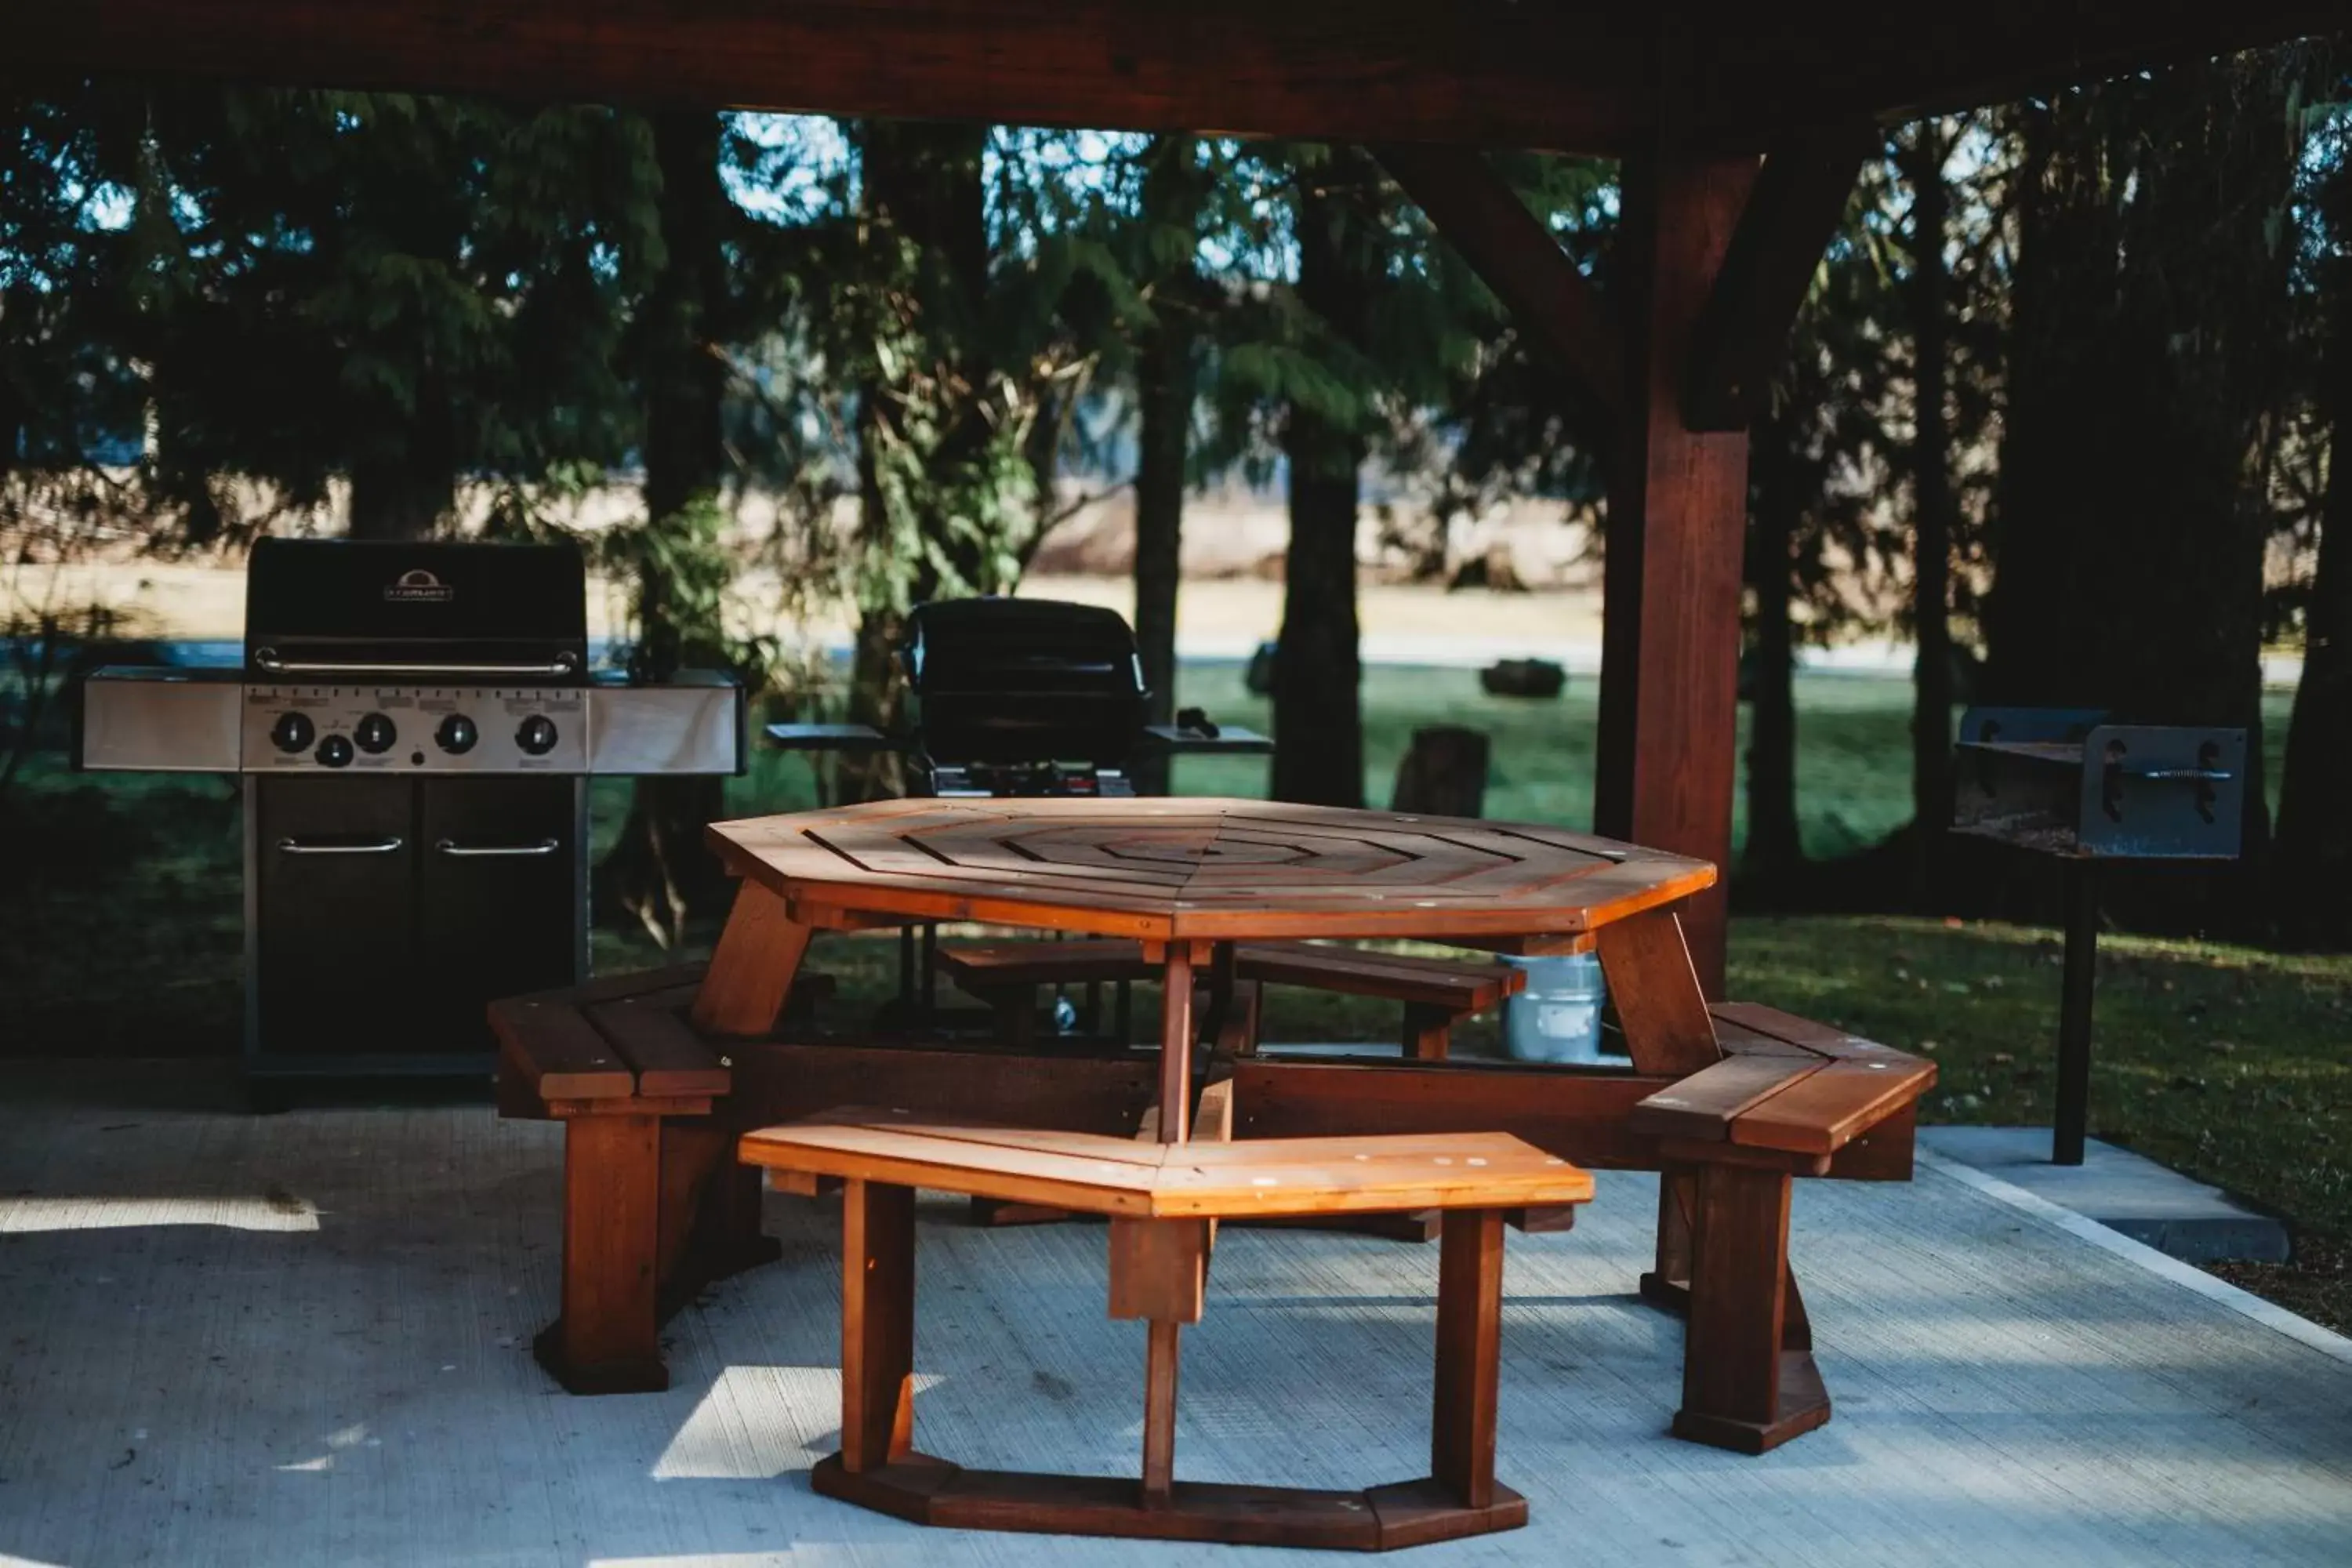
{"points": [[1191, 877]]}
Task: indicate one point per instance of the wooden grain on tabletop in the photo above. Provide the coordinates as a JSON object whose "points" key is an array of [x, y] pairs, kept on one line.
{"points": [[1172, 868]]}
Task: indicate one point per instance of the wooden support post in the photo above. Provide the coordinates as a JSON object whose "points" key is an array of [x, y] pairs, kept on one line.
{"points": [[604, 1342], [878, 1324], [751, 969], [710, 1226], [1668, 1284], [1749, 1378], [1654, 987], [1677, 515], [1469, 1335], [1176, 1044], [1159, 1411], [1428, 1032]]}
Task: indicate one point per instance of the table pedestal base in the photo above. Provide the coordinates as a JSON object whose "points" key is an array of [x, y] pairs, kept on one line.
{"points": [[926, 1490]]}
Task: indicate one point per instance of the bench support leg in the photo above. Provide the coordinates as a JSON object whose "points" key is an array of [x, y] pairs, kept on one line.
{"points": [[877, 1325], [1159, 1358], [710, 1227], [1428, 1032], [1749, 1383], [1469, 1339], [605, 1340], [1668, 1284]]}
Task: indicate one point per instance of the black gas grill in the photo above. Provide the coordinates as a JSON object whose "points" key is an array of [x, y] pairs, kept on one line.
{"points": [[1022, 696], [417, 723]]}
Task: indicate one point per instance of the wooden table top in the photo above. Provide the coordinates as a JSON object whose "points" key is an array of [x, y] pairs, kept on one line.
{"points": [[1098, 1174], [1201, 867]]}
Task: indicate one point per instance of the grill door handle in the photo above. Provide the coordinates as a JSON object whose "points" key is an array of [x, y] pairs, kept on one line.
{"points": [[266, 658], [451, 848], [391, 846]]}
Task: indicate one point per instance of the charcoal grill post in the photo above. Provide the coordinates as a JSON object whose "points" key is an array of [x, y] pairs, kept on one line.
{"points": [[2072, 1120]]}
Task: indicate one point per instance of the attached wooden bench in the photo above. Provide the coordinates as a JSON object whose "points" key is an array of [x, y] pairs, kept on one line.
{"points": [[646, 1166], [1436, 992], [1729, 1104], [1789, 1097], [1161, 1201]]}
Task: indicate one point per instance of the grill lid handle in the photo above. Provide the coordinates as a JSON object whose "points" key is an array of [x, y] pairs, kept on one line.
{"points": [[266, 658]]}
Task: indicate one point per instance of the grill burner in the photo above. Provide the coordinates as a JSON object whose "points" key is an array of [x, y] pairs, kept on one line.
{"points": [[1021, 697], [420, 722]]}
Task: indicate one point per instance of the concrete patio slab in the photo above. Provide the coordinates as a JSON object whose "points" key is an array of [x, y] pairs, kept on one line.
{"points": [[2176, 1214], [304, 1339]]}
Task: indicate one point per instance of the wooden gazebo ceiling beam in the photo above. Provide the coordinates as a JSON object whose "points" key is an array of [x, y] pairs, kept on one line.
{"points": [[1479, 214], [1741, 337], [1568, 75]]}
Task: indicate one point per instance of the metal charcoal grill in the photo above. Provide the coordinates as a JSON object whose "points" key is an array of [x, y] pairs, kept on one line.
{"points": [[1024, 696], [1017, 696], [2064, 783], [416, 725]]}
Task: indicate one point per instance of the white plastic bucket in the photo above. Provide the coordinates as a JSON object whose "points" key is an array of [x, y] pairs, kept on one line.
{"points": [[1557, 1017]]}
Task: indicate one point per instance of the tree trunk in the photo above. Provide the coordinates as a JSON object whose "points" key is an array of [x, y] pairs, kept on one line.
{"points": [[1318, 731], [1165, 383], [1775, 848], [2313, 868], [1931, 502], [1444, 772], [2151, 296], [405, 482], [660, 869], [920, 186]]}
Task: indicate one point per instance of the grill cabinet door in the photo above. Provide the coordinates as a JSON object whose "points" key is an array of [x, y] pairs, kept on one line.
{"points": [[500, 910], [334, 930]]}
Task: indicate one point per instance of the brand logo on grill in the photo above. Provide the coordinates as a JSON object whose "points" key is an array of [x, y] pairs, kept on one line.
{"points": [[420, 587]]}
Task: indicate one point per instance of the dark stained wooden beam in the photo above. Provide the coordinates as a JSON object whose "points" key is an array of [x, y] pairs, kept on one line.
{"points": [[1678, 517], [1570, 75], [1479, 214], [1792, 215], [1494, 72], [1774, 69]]}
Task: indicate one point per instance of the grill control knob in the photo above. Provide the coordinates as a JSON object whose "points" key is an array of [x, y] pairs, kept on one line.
{"points": [[375, 735], [456, 735], [536, 735], [335, 752], [292, 733]]}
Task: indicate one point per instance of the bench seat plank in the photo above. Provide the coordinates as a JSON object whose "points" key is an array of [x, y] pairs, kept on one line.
{"points": [[1803, 1032], [560, 1051], [1098, 1174], [670, 1059], [1825, 1110], [1704, 1105], [1432, 982]]}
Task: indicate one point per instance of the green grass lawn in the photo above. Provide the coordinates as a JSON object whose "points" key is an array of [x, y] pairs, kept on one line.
{"points": [[119, 923]]}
